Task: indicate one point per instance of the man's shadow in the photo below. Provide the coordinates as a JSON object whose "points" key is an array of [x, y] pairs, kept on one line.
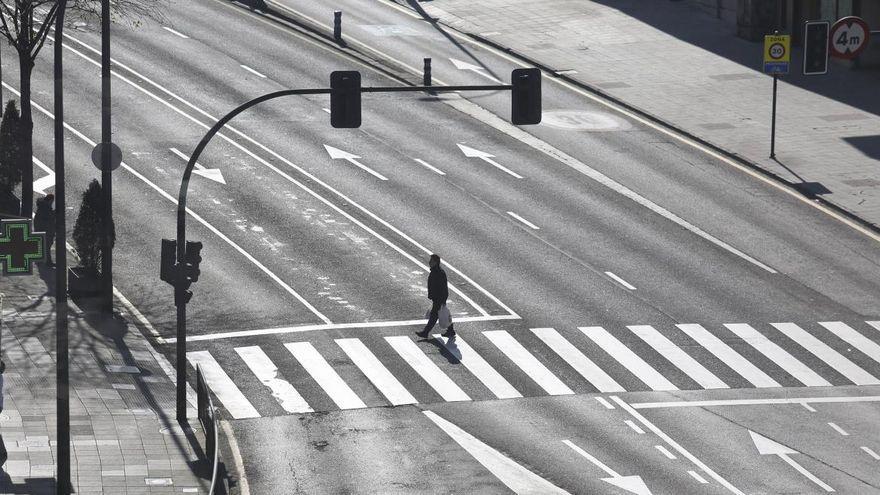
{"points": [[29, 485]]}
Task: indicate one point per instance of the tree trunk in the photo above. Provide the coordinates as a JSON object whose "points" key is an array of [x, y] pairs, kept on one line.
{"points": [[26, 66]]}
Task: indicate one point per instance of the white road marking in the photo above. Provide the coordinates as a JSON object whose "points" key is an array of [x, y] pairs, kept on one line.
{"points": [[728, 356], [266, 371], [632, 484], [757, 402], [430, 372], [528, 363], [604, 402], [697, 476], [479, 367], [766, 446], [672, 443], [854, 338], [838, 429], [429, 166], [523, 220], [808, 407], [327, 110], [875, 324], [316, 366], [223, 387], [213, 174], [636, 365], [195, 216], [488, 158], [601, 465], [871, 453], [621, 281], [370, 366], [778, 355], [844, 366], [517, 478], [460, 65], [634, 426], [678, 357], [336, 153], [577, 360], [166, 28], [299, 169], [245, 67], [664, 451], [45, 182]]}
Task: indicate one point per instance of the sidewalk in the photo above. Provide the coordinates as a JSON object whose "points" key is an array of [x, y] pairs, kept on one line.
{"points": [[688, 69], [124, 438]]}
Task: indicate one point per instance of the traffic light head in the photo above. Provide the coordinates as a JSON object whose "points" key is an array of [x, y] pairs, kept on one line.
{"points": [[192, 258], [526, 96], [345, 99], [169, 260]]}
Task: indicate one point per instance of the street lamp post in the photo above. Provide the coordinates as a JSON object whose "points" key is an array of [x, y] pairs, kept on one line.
{"points": [[106, 163]]}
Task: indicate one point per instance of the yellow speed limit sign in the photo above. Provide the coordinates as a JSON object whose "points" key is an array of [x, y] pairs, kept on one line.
{"points": [[777, 53]]}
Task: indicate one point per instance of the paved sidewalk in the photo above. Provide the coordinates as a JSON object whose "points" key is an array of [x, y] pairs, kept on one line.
{"points": [[689, 69], [123, 432]]}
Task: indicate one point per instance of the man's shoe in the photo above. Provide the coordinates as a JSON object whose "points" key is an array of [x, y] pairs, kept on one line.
{"points": [[423, 334], [449, 333]]}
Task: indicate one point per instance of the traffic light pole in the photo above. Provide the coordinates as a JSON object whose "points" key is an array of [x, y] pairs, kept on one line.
{"points": [[180, 298]]}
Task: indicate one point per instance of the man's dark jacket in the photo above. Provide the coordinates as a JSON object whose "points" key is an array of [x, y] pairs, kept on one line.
{"points": [[437, 289]]}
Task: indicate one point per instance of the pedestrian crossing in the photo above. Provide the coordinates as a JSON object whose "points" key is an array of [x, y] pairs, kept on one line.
{"points": [[376, 371]]}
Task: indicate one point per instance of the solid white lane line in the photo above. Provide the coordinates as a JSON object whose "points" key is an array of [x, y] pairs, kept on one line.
{"points": [[266, 371], [245, 67], [634, 426], [577, 360], [757, 402], [844, 366], [729, 356], [678, 357], [523, 220], [325, 375], [672, 443], [223, 387], [601, 465], [621, 281], [854, 338], [871, 453], [778, 355], [516, 477], [630, 360], [195, 216], [664, 451], [370, 366], [427, 369], [604, 402], [166, 28], [528, 363], [313, 178], [479, 367], [838, 429], [697, 476], [429, 166]]}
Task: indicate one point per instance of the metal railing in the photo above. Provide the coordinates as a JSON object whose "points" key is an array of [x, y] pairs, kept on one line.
{"points": [[208, 418]]}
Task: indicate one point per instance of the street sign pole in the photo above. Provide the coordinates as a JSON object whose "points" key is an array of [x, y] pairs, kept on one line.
{"points": [[106, 163], [777, 59], [773, 120]]}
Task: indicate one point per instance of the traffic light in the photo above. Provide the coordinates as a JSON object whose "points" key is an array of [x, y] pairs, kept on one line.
{"points": [[816, 48], [168, 263], [526, 96], [345, 99], [191, 260]]}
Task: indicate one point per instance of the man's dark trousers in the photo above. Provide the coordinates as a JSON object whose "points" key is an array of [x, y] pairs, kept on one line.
{"points": [[432, 318]]}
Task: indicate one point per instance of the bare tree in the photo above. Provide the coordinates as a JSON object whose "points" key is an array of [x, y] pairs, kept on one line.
{"points": [[26, 25]]}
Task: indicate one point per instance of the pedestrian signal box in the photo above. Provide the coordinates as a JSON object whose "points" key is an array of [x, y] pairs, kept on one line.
{"points": [[345, 99], [816, 48], [526, 96]]}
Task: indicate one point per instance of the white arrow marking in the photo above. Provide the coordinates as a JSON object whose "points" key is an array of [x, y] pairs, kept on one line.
{"points": [[486, 157], [632, 484], [43, 183], [209, 173], [766, 446], [516, 477], [338, 154], [476, 68]]}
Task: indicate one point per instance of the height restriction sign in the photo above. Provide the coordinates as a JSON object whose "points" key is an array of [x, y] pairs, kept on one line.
{"points": [[777, 53]]}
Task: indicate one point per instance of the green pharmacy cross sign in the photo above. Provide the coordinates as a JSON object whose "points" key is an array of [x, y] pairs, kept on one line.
{"points": [[20, 246]]}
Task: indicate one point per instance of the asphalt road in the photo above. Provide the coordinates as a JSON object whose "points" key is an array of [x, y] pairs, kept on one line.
{"points": [[574, 251]]}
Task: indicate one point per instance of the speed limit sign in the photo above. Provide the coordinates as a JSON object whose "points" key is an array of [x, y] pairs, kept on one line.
{"points": [[849, 37], [777, 53]]}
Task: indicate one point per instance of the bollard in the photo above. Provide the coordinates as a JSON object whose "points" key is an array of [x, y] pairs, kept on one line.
{"points": [[337, 25], [427, 73]]}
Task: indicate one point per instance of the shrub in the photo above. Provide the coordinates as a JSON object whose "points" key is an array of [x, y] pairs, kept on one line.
{"points": [[88, 229], [10, 149]]}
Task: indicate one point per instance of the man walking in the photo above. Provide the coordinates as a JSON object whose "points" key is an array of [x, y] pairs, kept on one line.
{"points": [[438, 293], [44, 221]]}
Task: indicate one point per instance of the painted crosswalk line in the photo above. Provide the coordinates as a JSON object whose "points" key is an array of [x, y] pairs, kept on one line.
{"points": [[678, 357], [577, 360], [778, 355], [321, 371], [265, 370], [823, 351], [630, 360], [478, 366], [854, 338], [223, 387], [376, 372], [728, 356], [527, 362], [430, 372]]}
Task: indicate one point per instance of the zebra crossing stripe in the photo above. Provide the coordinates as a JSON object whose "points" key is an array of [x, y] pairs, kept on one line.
{"points": [[527, 362], [847, 368], [223, 387], [367, 362], [678, 357], [854, 338], [430, 372], [323, 373], [636, 365], [728, 356], [266, 371], [577, 360], [479, 367], [778, 355], [875, 324]]}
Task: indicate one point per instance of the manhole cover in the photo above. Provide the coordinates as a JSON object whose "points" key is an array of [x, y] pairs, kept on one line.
{"points": [[579, 120]]}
